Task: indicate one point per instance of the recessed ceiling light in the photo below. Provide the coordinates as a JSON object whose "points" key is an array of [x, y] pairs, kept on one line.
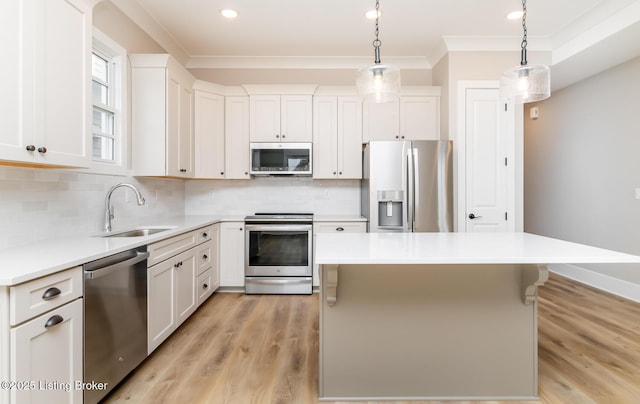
{"points": [[228, 13], [514, 15], [371, 14]]}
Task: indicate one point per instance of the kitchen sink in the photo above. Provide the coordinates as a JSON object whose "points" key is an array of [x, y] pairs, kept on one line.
{"points": [[137, 232]]}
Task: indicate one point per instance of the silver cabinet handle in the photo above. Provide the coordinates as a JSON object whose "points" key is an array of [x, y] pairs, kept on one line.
{"points": [[51, 293], [54, 320]]}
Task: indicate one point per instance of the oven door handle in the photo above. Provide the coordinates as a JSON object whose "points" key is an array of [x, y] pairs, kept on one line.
{"points": [[291, 280], [278, 227]]}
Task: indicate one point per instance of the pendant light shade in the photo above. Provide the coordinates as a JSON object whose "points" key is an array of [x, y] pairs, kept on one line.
{"points": [[526, 83], [378, 82]]}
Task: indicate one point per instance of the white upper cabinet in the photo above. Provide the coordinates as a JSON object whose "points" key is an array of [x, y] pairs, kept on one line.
{"points": [[236, 135], [419, 118], [46, 92], [414, 116], [208, 121], [280, 118], [337, 137], [161, 95], [381, 121]]}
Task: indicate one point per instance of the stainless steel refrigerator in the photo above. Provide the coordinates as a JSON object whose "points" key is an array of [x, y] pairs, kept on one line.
{"points": [[407, 186]]}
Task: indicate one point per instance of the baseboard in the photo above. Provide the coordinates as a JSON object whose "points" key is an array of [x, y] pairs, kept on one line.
{"points": [[619, 287]]}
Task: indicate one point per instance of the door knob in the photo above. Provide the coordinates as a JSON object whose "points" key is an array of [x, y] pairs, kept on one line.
{"points": [[472, 216]]}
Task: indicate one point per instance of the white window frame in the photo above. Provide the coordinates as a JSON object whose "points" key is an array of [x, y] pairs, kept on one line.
{"points": [[108, 48]]}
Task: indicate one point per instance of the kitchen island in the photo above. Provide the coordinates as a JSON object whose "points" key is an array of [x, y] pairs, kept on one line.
{"points": [[435, 315]]}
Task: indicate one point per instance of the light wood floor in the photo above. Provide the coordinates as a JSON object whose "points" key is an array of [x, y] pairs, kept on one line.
{"points": [[263, 349]]}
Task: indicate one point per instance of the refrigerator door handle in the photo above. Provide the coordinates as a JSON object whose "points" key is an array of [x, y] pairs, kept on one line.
{"points": [[410, 189]]}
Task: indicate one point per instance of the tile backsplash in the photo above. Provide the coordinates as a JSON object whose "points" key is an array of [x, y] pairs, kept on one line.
{"points": [[273, 194], [38, 204]]}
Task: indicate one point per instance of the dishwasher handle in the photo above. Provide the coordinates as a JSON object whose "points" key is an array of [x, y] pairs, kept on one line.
{"points": [[100, 272]]}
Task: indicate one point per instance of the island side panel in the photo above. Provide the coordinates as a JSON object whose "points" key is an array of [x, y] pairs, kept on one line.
{"points": [[428, 331]]}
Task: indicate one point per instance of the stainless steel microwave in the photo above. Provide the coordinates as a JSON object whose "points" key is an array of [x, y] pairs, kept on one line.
{"points": [[281, 158]]}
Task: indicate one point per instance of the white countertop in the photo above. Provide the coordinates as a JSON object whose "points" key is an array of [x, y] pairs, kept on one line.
{"points": [[457, 248], [339, 218], [46, 257]]}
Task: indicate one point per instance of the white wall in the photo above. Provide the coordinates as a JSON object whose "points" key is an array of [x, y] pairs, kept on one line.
{"points": [[582, 166], [271, 194], [38, 204]]}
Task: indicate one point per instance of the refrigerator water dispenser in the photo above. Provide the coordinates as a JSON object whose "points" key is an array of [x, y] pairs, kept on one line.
{"points": [[390, 208]]}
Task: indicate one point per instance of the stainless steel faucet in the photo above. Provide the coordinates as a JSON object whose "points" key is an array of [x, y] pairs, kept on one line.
{"points": [[108, 209]]}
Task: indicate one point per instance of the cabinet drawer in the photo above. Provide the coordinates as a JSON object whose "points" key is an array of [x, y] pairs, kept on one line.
{"points": [[340, 227], [204, 286], [165, 249], [204, 257], [40, 295], [204, 234]]}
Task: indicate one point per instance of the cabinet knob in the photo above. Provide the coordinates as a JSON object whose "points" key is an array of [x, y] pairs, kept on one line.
{"points": [[246, 173], [42, 150], [278, 136], [205, 256], [53, 320], [241, 229], [283, 136], [339, 172], [221, 172], [339, 228], [397, 137], [334, 173], [51, 293], [31, 148], [183, 170], [205, 286], [205, 234]]}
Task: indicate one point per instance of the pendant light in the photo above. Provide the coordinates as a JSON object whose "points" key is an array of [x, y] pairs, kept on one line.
{"points": [[378, 82], [526, 83]]}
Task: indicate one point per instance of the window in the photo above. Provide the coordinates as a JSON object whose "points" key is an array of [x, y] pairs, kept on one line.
{"points": [[108, 134]]}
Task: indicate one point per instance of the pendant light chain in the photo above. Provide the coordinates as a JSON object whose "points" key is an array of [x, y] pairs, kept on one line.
{"points": [[523, 44], [377, 42]]}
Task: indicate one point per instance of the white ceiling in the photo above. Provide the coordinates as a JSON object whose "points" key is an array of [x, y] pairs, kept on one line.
{"points": [[414, 33]]}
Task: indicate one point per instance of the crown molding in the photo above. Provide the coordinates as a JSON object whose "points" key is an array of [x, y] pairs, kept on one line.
{"points": [[157, 32], [624, 19], [300, 62], [494, 43]]}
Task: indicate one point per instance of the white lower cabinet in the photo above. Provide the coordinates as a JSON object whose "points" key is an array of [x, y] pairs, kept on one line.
{"points": [[174, 283], [47, 353], [43, 352], [232, 254], [333, 227]]}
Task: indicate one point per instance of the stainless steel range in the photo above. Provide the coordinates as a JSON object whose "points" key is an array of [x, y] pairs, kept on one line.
{"points": [[278, 253]]}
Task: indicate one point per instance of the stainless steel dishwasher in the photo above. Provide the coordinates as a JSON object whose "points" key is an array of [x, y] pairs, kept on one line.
{"points": [[115, 319]]}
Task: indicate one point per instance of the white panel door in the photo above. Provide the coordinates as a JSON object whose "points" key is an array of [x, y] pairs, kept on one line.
{"points": [[486, 170]]}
